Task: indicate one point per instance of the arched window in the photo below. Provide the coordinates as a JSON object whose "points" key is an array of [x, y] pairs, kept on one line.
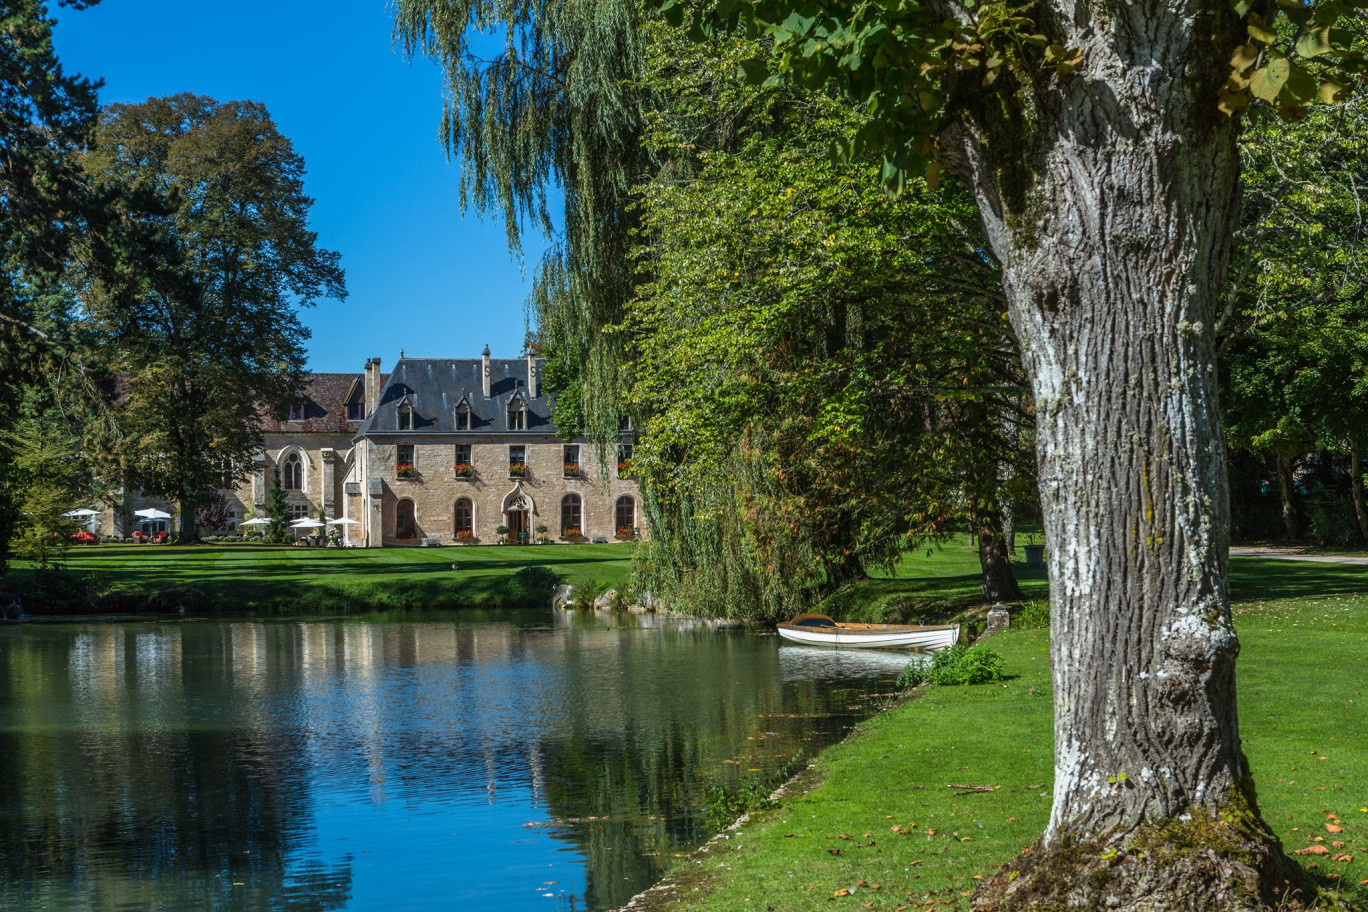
{"points": [[405, 524], [625, 514], [572, 516], [465, 517], [293, 476]]}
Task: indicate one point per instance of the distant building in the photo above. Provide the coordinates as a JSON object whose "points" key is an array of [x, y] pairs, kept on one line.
{"points": [[441, 450]]}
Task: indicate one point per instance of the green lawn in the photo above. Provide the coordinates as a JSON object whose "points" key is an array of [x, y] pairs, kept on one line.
{"points": [[1304, 630], [932, 585], [273, 578]]}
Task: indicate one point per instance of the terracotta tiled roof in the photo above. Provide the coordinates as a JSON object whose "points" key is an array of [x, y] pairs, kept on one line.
{"points": [[325, 406]]}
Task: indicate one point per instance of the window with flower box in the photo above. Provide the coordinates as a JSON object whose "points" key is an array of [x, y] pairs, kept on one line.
{"points": [[517, 462], [625, 516], [405, 465], [572, 517], [571, 460], [465, 520], [461, 466], [624, 460]]}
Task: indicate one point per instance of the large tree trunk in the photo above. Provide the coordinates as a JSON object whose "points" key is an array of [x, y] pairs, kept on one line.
{"points": [[1356, 486], [999, 582], [1110, 205], [1291, 506]]}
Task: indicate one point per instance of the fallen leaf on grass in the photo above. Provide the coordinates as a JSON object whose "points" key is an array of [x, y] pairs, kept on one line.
{"points": [[841, 892], [790, 835], [1332, 828], [1313, 850], [1347, 859], [833, 851], [1337, 844], [846, 836]]}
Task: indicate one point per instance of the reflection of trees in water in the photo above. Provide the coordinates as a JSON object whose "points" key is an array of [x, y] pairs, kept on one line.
{"points": [[133, 801], [174, 764], [645, 741]]}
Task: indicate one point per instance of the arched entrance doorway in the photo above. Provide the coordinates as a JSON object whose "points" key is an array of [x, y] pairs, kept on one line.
{"points": [[518, 509], [405, 523]]}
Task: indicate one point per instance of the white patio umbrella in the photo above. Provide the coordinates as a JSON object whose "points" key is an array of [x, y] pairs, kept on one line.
{"points": [[152, 513], [78, 514], [306, 524], [259, 521], [344, 521]]}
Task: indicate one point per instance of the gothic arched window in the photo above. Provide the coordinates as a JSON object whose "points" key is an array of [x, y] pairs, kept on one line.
{"points": [[293, 476]]}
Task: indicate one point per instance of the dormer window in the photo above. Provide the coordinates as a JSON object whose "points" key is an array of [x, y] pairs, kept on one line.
{"points": [[517, 417], [356, 410], [405, 417], [462, 417], [297, 410]]}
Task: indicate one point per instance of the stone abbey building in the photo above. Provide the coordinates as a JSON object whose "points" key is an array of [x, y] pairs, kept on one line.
{"points": [[440, 451]]}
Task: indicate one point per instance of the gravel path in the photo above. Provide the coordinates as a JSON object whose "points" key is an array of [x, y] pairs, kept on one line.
{"points": [[1294, 555]]}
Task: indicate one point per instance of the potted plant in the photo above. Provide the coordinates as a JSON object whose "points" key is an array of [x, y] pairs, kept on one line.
{"points": [[572, 469], [517, 470], [625, 533], [462, 470], [465, 537], [572, 534], [503, 534], [1035, 554], [405, 470], [541, 535]]}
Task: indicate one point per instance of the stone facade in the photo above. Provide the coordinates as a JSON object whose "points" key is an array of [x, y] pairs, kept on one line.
{"points": [[452, 449], [383, 450]]}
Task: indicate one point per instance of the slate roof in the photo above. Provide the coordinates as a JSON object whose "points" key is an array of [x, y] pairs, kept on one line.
{"points": [[433, 387], [325, 406]]}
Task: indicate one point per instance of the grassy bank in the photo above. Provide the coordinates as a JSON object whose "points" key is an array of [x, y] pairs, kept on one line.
{"points": [[931, 586], [884, 813], [276, 578]]}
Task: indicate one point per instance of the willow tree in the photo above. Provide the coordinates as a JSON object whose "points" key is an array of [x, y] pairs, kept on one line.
{"points": [[554, 107], [1100, 141]]}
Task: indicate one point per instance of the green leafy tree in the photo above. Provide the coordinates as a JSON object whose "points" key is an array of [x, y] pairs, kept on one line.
{"points": [[821, 374], [49, 479], [50, 216], [213, 334], [1294, 348], [277, 511], [1100, 142]]}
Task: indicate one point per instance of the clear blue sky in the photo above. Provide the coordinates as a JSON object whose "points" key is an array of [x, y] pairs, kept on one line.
{"points": [[421, 277]]}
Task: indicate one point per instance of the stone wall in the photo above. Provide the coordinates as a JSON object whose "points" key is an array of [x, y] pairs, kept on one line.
{"points": [[434, 489]]}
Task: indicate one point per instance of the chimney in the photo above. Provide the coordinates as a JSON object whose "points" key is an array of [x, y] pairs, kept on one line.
{"points": [[372, 386], [484, 372], [531, 375]]}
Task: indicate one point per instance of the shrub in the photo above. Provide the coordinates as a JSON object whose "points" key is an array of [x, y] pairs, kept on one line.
{"points": [[1033, 614], [956, 666], [1332, 522]]}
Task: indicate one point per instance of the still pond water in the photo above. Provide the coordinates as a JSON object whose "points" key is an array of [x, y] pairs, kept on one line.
{"points": [[492, 761]]}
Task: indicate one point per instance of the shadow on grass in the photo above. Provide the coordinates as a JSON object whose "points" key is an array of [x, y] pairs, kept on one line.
{"points": [[1252, 579]]}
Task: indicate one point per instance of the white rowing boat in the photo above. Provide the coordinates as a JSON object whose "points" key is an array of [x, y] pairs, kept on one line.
{"points": [[820, 630]]}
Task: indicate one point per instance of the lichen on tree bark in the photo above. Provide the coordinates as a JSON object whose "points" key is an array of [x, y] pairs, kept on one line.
{"points": [[1110, 198]]}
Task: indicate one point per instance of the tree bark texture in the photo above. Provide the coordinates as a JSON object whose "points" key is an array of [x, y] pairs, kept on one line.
{"points": [[1356, 487], [1110, 196], [1291, 506], [999, 582]]}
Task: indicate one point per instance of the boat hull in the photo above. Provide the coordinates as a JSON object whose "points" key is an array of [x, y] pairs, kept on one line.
{"points": [[873, 638]]}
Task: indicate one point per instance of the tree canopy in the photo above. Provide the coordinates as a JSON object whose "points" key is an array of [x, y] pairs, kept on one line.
{"points": [[210, 336]]}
